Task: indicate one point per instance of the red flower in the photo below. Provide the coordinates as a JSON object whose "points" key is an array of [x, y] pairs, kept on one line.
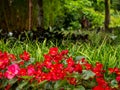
{"points": [[12, 57], [1, 75], [78, 68], [101, 82], [98, 88], [64, 52], [99, 66], [25, 56], [88, 66], [53, 51], [47, 57], [118, 78], [4, 60], [101, 88], [12, 71], [98, 69], [108, 88], [69, 69], [72, 81], [38, 65], [47, 64], [2, 64], [21, 63], [70, 61], [84, 60], [56, 72], [22, 72], [117, 71], [57, 58], [30, 70], [38, 74], [43, 77], [8, 87]]}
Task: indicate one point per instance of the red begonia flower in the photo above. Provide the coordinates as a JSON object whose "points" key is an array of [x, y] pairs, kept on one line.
{"points": [[53, 51], [22, 72], [25, 56], [30, 70], [12, 71]]}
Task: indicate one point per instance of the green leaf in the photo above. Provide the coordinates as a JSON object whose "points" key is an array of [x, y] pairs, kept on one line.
{"points": [[26, 77], [59, 83], [3, 83], [87, 74], [114, 84], [21, 85], [89, 83], [77, 58], [12, 81], [76, 75], [42, 82], [31, 61], [79, 88]]}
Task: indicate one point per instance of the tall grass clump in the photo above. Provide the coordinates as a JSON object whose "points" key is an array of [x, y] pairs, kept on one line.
{"points": [[107, 54]]}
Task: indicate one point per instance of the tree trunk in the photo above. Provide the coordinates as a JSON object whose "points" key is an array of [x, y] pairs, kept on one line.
{"points": [[30, 14], [107, 15], [41, 16]]}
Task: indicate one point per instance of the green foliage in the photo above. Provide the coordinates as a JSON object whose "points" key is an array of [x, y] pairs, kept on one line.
{"points": [[114, 83], [52, 9], [115, 19], [96, 18], [57, 14], [87, 74], [59, 83], [21, 85], [98, 5], [116, 4], [75, 10]]}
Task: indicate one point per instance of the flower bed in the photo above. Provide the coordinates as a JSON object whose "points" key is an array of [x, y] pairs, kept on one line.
{"points": [[58, 71]]}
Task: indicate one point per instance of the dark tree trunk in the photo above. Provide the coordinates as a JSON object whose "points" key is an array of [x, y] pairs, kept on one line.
{"points": [[30, 14], [107, 15], [41, 16], [6, 14]]}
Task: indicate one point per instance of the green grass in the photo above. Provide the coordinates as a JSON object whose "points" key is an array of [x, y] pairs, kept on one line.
{"points": [[105, 53]]}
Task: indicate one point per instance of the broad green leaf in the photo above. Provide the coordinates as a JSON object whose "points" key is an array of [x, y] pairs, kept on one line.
{"points": [[79, 88], [59, 83], [87, 74], [42, 82], [22, 85], [114, 84], [89, 83], [79, 57], [12, 81], [3, 84], [26, 77], [31, 61], [76, 75]]}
